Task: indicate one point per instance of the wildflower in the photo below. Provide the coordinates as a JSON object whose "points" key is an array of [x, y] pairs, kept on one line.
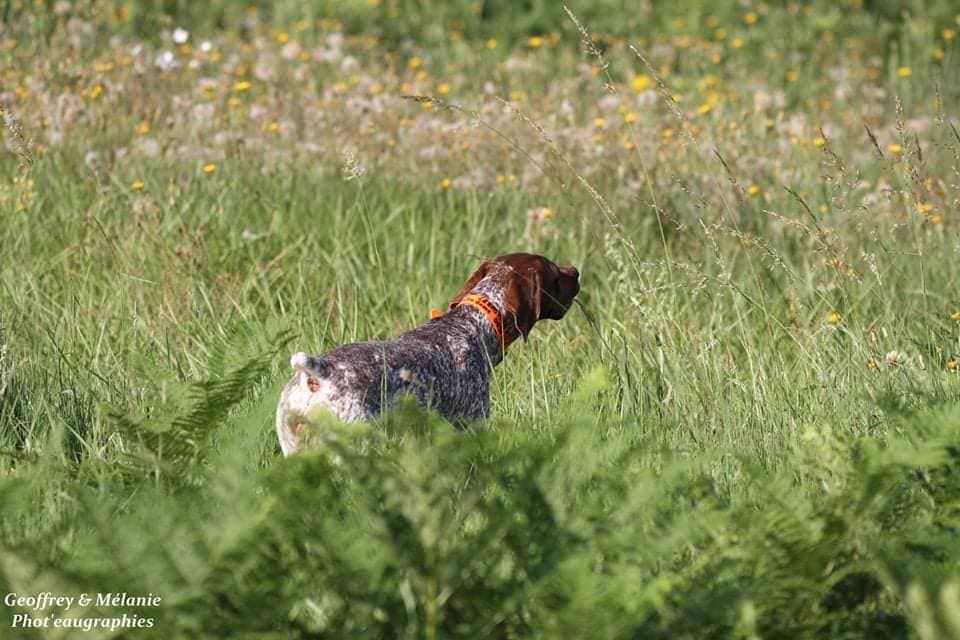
{"points": [[833, 319], [165, 61], [443, 89], [792, 76], [240, 87], [894, 358], [895, 148], [445, 183], [705, 108], [641, 82], [750, 18], [137, 185], [948, 34], [209, 168], [600, 123], [629, 117], [955, 316], [753, 190], [819, 142], [180, 35], [904, 72], [737, 43], [925, 208], [952, 364], [96, 91], [936, 219], [492, 43], [414, 63], [273, 127], [143, 128], [283, 37], [535, 41]]}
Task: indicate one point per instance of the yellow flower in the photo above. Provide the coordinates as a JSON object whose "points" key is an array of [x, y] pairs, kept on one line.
{"points": [[641, 82], [629, 117], [600, 123], [904, 72], [283, 37], [936, 219], [955, 316], [209, 168], [492, 43], [792, 76], [242, 86], [414, 62], [143, 128], [753, 190], [737, 43], [547, 213], [819, 142], [750, 18], [952, 364], [535, 41], [705, 108], [137, 185], [96, 91], [443, 89], [948, 34], [273, 127], [445, 183], [833, 319], [925, 208], [895, 148]]}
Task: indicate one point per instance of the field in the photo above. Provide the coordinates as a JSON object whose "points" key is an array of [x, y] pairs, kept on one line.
{"points": [[749, 427]]}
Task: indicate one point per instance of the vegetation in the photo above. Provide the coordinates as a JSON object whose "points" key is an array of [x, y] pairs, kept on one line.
{"points": [[750, 428]]}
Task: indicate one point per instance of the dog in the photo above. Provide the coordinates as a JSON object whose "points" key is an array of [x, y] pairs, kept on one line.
{"points": [[446, 364]]}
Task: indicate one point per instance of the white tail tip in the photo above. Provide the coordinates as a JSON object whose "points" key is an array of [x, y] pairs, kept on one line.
{"points": [[299, 361]]}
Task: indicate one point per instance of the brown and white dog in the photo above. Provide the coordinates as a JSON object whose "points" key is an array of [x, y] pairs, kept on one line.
{"points": [[445, 364]]}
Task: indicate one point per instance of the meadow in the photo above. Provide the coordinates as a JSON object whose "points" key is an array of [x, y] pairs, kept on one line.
{"points": [[749, 427]]}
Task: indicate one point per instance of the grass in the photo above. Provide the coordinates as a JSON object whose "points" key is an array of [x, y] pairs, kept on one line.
{"points": [[748, 429]]}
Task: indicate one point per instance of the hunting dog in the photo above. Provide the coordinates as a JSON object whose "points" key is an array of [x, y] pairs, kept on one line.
{"points": [[446, 364]]}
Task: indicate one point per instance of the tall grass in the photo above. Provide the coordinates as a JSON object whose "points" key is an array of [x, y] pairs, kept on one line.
{"points": [[748, 429]]}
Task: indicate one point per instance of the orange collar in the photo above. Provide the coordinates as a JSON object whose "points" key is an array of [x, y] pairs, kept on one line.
{"points": [[480, 302]]}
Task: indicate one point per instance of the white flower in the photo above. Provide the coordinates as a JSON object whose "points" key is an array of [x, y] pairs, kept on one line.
{"points": [[206, 46], [895, 358], [180, 35], [165, 61]]}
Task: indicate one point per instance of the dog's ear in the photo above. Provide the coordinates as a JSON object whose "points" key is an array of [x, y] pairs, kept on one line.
{"points": [[525, 303], [477, 276], [534, 298]]}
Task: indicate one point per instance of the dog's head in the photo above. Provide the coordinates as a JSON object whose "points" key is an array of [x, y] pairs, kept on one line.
{"points": [[528, 287]]}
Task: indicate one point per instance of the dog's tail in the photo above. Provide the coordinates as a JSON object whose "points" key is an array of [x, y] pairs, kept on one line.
{"points": [[301, 361]]}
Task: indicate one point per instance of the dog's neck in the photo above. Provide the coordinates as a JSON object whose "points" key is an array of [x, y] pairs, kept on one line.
{"points": [[492, 325]]}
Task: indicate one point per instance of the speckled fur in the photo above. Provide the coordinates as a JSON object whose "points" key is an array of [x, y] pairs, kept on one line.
{"points": [[446, 364]]}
